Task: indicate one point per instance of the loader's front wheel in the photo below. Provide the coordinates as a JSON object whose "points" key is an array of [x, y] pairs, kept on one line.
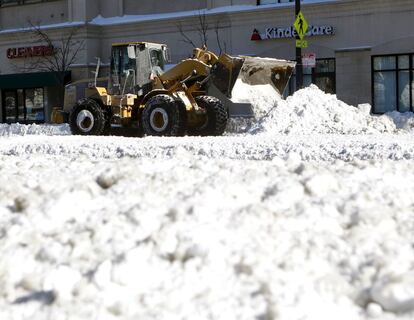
{"points": [[215, 120], [87, 118], [162, 116]]}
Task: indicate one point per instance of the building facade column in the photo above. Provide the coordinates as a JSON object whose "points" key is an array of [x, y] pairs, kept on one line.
{"points": [[353, 75], [120, 8]]}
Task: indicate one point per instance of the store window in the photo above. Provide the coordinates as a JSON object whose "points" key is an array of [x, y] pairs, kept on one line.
{"points": [[259, 2], [392, 81], [6, 3], [322, 75], [23, 105]]}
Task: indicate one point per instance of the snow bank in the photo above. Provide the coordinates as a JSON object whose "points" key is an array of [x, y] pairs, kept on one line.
{"points": [[403, 121], [311, 111], [307, 111], [33, 129]]}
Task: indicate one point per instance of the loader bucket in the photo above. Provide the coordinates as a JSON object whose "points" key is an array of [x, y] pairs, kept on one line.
{"points": [[252, 71], [224, 73]]}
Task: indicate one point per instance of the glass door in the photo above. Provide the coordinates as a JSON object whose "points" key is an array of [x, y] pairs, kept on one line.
{"points": [[21, 110], [324, 75], [23, 105], [9, 106], [34, 105]]}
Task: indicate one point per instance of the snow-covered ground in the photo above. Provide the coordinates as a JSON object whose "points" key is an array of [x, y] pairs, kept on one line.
{"points": [[306, 214]]}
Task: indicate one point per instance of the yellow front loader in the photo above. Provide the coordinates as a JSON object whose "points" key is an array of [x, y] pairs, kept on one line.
{"points": [[182, 100]]}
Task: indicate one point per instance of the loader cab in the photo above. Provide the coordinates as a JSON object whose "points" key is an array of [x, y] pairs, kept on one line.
{"points": [[133, 66]]}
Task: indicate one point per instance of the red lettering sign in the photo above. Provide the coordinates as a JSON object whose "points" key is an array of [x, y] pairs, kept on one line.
{"points": [[11, 53], [27, 52], [21, 52], [37, 51], [49, 51]]}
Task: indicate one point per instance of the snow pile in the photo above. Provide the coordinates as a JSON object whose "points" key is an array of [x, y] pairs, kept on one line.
{"points": [[33, 129], [238, 125], [311, 111], [307, 111], [403, 121]]}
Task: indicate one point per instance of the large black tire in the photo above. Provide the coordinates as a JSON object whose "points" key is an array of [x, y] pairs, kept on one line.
{"points": [[88, 118], [163, 116], [216, 117]]}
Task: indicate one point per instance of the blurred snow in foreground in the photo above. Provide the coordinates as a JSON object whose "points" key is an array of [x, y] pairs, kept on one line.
{"points": [[306, 215], [33, 129]]}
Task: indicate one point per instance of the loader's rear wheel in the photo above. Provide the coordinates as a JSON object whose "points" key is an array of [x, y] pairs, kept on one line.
{"points": [[162, 116], [88, 118], [216, 117]]}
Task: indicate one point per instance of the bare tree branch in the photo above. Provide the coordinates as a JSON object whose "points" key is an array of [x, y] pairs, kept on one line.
{"points": [[186, 38], [63, 56], [217, 32], [202, 28], [65, 52]]}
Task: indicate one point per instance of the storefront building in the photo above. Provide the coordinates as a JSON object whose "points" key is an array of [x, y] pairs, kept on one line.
{"points": [[361, 50]]}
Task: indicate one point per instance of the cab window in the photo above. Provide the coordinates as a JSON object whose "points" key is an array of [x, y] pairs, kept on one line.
{"points": [[120, 61], [157, 59]]}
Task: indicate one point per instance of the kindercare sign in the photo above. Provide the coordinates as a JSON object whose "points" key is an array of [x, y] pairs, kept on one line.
{"points": [[290, 32]]}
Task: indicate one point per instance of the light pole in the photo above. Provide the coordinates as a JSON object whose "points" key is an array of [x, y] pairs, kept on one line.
{"points": [[299, 67]]}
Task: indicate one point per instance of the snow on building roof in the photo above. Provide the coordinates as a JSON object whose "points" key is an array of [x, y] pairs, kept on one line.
{"points": [[125, 19], [102, 21]]}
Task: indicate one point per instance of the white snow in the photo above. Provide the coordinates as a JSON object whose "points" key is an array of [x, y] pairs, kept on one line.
{"points": [[309, 215], [126, 19], [22, 129], [99, 20], [312, 111], [69, 24], [263, 98]]}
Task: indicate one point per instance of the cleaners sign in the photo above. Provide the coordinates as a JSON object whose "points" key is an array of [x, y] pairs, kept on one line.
{"points": [[290, 32], [27, 52]]}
